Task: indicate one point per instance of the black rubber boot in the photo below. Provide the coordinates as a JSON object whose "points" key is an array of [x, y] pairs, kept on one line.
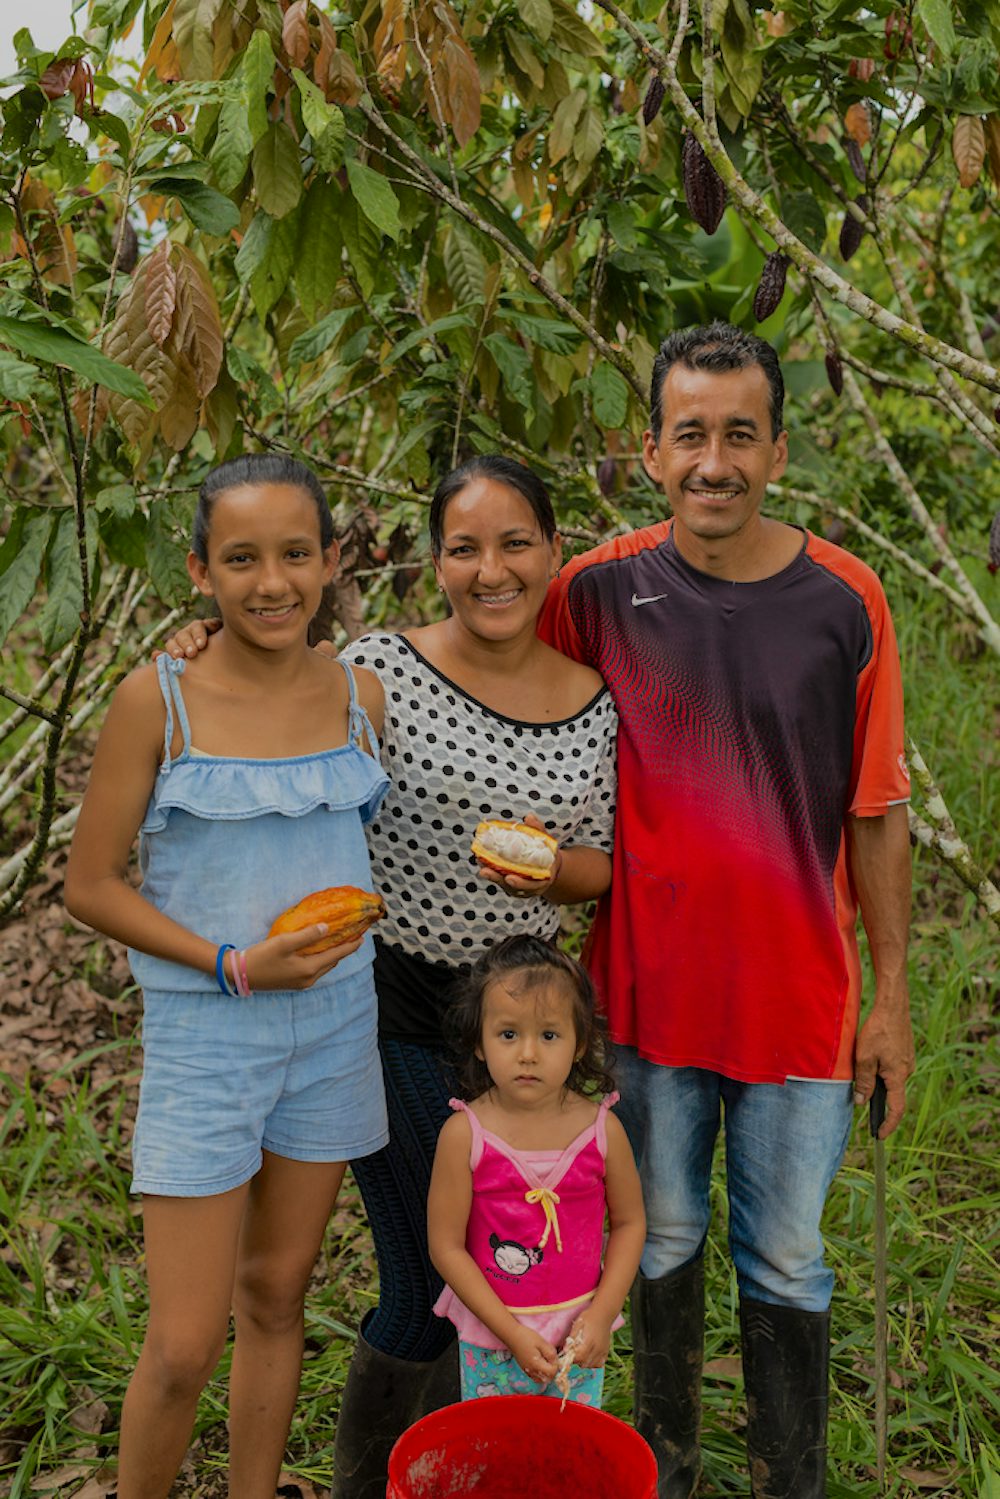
{"points": [[383, 1395], [668, 1335], [786, 1368]]}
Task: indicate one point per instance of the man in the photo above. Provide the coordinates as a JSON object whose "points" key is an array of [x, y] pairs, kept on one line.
{"points": [[762, 791]]}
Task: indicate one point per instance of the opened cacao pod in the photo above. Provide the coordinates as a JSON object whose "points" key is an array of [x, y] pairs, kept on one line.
{"points": [[515, 848], [347, 911]]}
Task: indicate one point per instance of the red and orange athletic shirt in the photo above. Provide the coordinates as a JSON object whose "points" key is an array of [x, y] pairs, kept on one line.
{"points": [[752, 718]]}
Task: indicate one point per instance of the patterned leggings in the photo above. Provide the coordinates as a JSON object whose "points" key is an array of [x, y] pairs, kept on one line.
{"points": [[394, 1184]]}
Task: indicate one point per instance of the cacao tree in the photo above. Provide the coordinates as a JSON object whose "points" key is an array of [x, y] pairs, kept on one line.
{"points": [[386, 235]]}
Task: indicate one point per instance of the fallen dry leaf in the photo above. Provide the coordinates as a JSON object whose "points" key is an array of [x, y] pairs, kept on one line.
{"points": [[724, 1368], [930, 1480]]}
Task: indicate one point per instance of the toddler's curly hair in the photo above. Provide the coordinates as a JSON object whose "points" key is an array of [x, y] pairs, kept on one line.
{"points": [[535, 962]]}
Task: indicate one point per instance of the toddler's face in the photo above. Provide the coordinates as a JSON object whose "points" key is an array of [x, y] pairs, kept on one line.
{"points": [[529, 1041]]}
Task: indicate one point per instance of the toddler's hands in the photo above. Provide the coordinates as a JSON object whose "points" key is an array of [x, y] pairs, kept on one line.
{"points": [[280, 963], [535, 1354], [515, 884], [591, 1340]]}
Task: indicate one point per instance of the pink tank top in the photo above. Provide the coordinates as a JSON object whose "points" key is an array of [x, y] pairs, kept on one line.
{"points": [[536, 1229]]}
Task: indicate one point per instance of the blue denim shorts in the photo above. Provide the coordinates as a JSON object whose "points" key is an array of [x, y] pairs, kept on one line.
{"points": [[295, 1072]]}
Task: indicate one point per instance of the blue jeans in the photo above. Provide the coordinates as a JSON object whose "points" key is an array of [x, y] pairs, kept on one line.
{"points": [[784, 1145]]}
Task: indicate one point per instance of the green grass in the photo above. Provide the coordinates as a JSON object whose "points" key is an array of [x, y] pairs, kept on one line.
{"points": [[72, 1297]]}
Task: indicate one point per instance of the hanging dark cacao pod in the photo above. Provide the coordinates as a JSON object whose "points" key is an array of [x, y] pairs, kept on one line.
{"points": [[704, 189], [851, 230], [771, 286], [606, 471], [835, 372], [856, 160], [654, 98], [994, 549], [127, 242]]}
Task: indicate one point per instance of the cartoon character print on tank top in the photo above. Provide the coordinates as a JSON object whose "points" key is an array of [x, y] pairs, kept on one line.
{"points": [[536, 1228]]}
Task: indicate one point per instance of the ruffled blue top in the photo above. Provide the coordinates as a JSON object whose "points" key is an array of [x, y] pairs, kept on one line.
{"points": [[228, 844]]}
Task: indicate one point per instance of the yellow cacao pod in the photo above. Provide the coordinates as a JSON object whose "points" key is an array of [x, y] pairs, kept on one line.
{"points": [[347, 911]]}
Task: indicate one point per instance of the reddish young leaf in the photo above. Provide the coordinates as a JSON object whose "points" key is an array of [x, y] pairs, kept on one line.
{"points": [[968, 148], [295, 32], [54, 82], [159, 282], [463, 89], [198, 334]]}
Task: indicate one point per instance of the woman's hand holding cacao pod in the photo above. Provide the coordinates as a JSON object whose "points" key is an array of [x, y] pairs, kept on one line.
{"points": [[517, 884]]}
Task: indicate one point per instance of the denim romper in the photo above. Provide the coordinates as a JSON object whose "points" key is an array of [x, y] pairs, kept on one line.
{"points": [[226, 845]]}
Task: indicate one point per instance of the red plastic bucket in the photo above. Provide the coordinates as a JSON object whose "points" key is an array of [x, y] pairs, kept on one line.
{"points": [[521, 1447]]}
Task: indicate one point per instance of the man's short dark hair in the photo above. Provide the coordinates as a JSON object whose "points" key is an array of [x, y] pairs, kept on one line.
{"points": [[716, 347]]}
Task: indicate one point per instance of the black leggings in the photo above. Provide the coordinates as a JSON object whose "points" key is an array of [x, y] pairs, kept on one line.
{"points": [[394, 1184]]}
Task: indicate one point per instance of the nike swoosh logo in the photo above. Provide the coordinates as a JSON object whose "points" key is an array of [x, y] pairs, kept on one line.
{"points": [[636, 600]]}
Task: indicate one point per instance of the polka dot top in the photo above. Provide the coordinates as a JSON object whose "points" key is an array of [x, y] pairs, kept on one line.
{"points": [[453, 762]]}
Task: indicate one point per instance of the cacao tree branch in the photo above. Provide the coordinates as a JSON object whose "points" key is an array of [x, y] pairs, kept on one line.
{"points": [[989, 629], [708, 73], [436, 188], [28, 704], [806, 497], [679, 34], [842, 291], [937, 831]]}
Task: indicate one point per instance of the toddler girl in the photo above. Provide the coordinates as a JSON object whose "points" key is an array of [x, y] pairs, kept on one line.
{"points": [[250, 788], [523, 1177]]}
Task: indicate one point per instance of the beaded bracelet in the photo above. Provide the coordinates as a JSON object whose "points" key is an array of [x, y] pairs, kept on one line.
{"points": [[220, 967]]}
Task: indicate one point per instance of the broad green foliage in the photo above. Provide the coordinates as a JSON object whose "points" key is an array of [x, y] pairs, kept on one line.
{"points": [[389, 234]]}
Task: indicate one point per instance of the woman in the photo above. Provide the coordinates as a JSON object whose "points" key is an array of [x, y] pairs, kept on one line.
{"points": [[481, 720]]}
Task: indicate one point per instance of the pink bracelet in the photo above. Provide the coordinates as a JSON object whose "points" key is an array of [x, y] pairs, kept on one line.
{"points": [[237, 981], [247, 991]]}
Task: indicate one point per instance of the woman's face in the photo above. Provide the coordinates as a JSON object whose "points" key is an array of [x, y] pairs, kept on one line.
{"points": [[495, 564]]}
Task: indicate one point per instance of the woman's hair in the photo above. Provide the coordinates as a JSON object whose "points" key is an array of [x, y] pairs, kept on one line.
{"points": [[505, 471], [537, 963], [257, 468]]}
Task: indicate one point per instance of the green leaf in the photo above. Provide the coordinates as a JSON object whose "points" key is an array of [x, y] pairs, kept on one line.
{"points": [[572, 34], [59, 619], [18, 380], [257, 70], [317, 257], [207, 209], [805, 218], [564, 124], [375, 198], [363, 244], [17, 583], [56, 346], [588, 137], [937, 17], [192, 32], [118, 498], [165, 557], [254, 249], [620, 219], [317, 340], [514, 364], [277, 174], [464, 266], [537, 16], [420, 335], [324, 122], [271, 277], [610, 396], [547, 333], [233, 143]]}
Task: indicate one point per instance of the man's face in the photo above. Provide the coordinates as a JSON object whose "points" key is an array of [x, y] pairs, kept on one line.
{"points": [[715, 455]]}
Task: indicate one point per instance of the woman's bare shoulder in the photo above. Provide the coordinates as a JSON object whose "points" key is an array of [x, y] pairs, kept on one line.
{"points": [[576, 680]]}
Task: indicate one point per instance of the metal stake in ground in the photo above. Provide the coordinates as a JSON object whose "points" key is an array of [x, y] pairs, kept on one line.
{"points": [[876, 1114]]}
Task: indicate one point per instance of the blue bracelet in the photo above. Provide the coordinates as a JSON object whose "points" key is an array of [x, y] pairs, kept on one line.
{"points": [[220, 970]]}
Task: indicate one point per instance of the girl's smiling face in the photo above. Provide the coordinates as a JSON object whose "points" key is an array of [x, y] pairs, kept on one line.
{"points": [[495, 564], [266, 567]]}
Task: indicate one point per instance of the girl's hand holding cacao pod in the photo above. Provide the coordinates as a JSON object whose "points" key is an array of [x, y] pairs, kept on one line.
{"points": [[283, 963]]}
